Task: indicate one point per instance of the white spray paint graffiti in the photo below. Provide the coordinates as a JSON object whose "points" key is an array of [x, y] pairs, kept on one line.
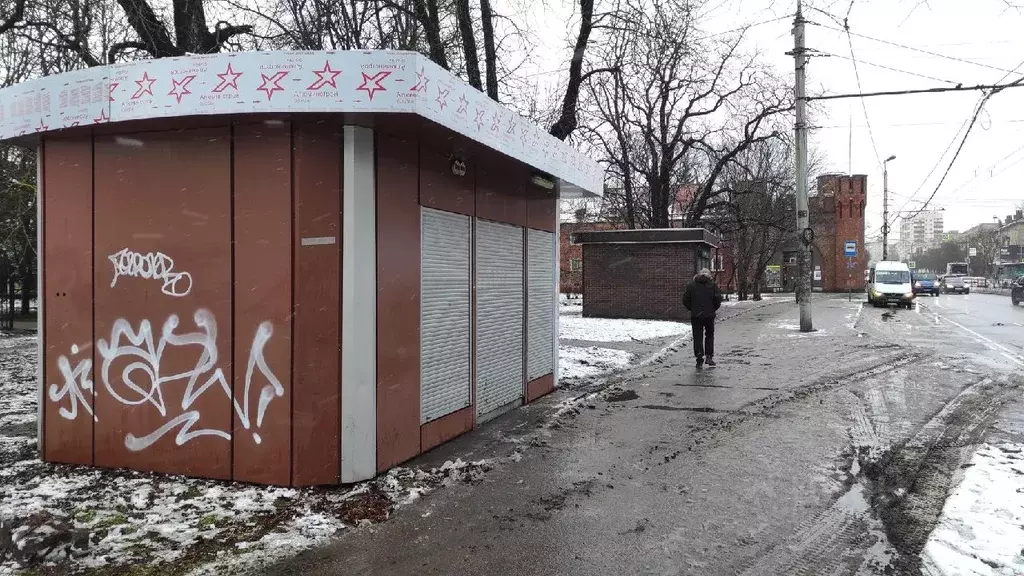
{"points": [[144, 360], [151, 266], [76, 384]]}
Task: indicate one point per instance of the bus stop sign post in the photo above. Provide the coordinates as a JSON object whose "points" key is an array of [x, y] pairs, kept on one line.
{"points": [[850, 251]]}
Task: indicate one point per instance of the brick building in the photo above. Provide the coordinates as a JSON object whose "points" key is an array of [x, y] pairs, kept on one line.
{"points": [[837, 216], [642, 273], [570, 256]]}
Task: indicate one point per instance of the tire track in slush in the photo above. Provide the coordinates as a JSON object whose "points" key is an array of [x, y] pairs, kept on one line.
{"points": [[895, 497]]}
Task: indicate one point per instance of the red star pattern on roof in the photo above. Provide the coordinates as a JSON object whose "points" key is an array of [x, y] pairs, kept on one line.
{"points": [[113, 86], [179, 88], [463, 105], [421, 81], [42, 127], [495, 122], [376, 79], [228, 79], [325, 77], [145, 86], [480, 118], [442, 97], [103, 117], [272, 83]]}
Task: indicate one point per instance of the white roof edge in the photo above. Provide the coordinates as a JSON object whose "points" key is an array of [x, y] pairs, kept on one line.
{"points": [[291, 82]]}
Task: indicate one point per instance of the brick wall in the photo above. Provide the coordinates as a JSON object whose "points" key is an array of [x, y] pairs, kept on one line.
{"points": [[637, 280], [570, 281], [837, 215]]}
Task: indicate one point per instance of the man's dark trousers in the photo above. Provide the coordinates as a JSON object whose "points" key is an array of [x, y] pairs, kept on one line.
{"points": [[703, 336]]}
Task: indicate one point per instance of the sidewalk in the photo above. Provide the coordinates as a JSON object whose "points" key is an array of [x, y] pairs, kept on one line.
{"points": [[669, 471]]}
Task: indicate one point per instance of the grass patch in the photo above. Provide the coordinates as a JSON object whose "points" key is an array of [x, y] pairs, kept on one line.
{"points": [[111, 521], [209, 521]]}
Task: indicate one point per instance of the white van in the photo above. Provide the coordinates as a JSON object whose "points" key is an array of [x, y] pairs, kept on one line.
{"points": [[890, 283]]}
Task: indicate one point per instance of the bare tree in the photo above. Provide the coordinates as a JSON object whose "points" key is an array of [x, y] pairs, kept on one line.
{"points": [[678, 109], [759, 215]]}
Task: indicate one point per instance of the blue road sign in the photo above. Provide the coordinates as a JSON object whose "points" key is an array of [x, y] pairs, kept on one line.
{"points": [[850, 249]]}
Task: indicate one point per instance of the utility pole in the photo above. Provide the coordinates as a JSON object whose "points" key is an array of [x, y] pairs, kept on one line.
{"points": [[803, 286], [885, 208]]}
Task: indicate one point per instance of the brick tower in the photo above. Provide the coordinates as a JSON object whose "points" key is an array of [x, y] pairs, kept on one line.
{"points": [[841, 203]]}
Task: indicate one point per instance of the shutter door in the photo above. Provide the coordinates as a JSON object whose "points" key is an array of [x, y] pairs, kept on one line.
{"points": [[499, 315], [444, 314], [540, 323]]}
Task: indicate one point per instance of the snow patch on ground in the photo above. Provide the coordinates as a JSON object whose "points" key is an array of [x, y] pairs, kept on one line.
{"points": [[979, 533], [580, 362], [617, 330], [70, 519]]}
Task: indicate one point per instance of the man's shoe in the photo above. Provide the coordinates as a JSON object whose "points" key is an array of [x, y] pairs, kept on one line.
{"points": [[700, 362], [711, 361]]}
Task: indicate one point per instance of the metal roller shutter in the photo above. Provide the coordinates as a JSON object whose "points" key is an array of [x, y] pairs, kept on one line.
{"points": [[540, 326], [499, 315], [444, 313]]}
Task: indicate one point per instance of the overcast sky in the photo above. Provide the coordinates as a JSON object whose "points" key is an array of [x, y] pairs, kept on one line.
{"points": [[986, 179]]}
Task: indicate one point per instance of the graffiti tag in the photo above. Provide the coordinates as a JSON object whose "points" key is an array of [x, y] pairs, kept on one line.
{"points": [[151, 266], [143, 380]]}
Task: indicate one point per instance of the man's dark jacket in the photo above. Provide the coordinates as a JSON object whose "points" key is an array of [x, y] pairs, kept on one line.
{"points": [[702, 297]]}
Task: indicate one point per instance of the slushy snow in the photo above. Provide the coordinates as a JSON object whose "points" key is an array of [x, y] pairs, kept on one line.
{"points": [[979, 533]]}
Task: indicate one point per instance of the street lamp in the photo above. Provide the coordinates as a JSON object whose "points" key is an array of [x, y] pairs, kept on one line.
{"points": [[885, 207]]}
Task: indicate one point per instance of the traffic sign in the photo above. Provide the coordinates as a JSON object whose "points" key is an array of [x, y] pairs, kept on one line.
{"points": [[911, 265], [972, 252], [850, 249]]}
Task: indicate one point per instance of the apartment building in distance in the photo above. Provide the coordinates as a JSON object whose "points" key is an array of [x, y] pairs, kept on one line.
{"points": [[920, 231]]}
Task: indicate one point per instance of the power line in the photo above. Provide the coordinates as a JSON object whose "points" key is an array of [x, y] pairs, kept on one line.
{"points": [[708, 37], [885, 67], [938, 90], [863, 105], [908, 125], [974, 120], [912, 48]]}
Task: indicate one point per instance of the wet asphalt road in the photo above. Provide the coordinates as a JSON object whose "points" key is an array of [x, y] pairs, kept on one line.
{"points": [[823, 453]]}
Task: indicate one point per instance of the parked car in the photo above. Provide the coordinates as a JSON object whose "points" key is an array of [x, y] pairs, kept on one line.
{"points": [[1017, 291], [889, 283], [926, 283], [981, 282], [954, 283]]}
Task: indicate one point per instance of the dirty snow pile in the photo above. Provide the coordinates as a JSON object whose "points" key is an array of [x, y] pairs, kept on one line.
{"points": [[576, 361], [572, 327], [980, 532], [74, 518]]}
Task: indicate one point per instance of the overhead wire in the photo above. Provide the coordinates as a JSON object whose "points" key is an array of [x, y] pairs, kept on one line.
{"points": [[863, 105], [973, 120], [912, 48], [890, 68]]}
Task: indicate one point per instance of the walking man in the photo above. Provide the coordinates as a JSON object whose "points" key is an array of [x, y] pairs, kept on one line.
{"points": [[703, 298]]}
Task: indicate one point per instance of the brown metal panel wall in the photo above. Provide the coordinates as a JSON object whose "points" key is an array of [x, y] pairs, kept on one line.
{"points": [[539, 387], [443, 429], [442, 189], [67, 301], [163, 329], [542, 208], [262, 198], [316, 387], [501, 189], [398, 301]]}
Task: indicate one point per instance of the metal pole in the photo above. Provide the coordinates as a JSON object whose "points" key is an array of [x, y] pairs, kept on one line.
{"points": [[885, 211], [803, 288]]}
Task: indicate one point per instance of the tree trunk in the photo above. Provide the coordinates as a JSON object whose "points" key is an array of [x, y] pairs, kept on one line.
{"points": [[27, 282], [490, 52], [426, 13], [465, 19], [569, 120]]}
